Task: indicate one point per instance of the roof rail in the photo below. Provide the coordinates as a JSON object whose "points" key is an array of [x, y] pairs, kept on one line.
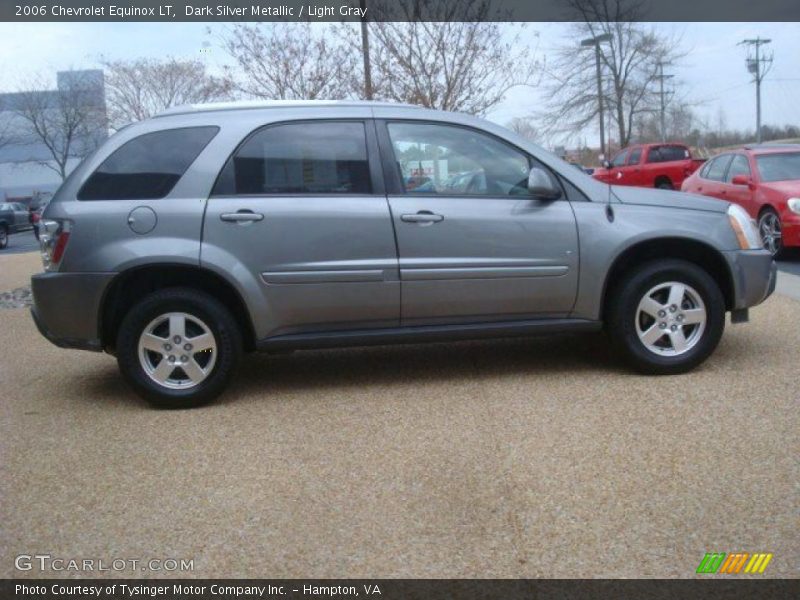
{"points": [[263, 104]]}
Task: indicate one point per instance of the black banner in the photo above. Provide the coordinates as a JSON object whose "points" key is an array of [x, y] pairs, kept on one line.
{"points": [[396, 589], [398, 10]]}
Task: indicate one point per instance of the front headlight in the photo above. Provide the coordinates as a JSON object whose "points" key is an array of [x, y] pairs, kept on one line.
{"points": [[744, 227], [794, 205]]}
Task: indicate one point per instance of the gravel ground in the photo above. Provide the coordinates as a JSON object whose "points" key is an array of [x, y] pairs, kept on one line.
{"points": [[522, 458]]}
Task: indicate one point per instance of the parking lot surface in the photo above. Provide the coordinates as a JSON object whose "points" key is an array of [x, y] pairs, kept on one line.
{"points": [[539, 457]]}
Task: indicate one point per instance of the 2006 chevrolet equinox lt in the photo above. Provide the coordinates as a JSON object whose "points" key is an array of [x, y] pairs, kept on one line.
{"points": [[211, 230]]}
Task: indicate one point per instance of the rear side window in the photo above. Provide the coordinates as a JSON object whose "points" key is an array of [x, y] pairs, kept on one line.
{"points": [[667, 154], [300, 158], [147, 167], [636, 155], [717, 167]]}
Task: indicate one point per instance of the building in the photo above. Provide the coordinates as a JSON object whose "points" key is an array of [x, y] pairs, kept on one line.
{"points": [[27, 168]]}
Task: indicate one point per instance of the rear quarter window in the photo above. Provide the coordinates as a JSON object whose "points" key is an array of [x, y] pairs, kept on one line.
{"points": [[147, 167]]}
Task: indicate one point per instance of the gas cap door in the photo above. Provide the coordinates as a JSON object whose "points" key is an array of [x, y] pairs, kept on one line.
{"points": [[142, 220]]}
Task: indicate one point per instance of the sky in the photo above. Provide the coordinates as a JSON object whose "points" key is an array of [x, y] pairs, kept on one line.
{"points": [[712, 76]]}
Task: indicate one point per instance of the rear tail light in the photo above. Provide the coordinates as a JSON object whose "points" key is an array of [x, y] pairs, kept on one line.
{"points": [[53, 239]]}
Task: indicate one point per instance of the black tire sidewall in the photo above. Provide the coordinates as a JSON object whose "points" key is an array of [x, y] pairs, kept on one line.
{"points": [[4, 239], [205, 308], [622, 315]]}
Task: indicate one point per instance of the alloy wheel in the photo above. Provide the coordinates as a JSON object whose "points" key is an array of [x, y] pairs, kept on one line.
{"points": [[769, 227], [670, 319], [177, 350]]}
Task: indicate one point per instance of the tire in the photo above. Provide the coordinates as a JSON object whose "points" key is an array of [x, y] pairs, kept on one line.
{"points": [[769, 230], [161, 315], [664, 184], [630, 317], [3, 237]]}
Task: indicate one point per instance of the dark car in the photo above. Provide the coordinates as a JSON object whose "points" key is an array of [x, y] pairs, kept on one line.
{"points": [[14, 218]]}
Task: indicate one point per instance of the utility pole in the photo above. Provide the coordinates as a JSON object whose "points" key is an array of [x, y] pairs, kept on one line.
{"points": [[365, 52], [661, 77], [759, 65], [595, 41]]}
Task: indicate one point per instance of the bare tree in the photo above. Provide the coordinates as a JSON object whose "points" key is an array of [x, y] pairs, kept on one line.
{"points": [[139, 88], [524, 126], [285, 61], [69, 122], [680, 119], [453, 60], [629, 63]]}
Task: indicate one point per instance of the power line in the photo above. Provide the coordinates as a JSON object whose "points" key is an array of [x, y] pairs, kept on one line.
{"points": [[759, 65]]}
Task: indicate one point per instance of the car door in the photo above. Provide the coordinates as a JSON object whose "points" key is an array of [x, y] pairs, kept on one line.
{"points": [[739, 193], [301, 206], [632, 171], [21, 219], [483, 251], [615, 176], [713, 179]]}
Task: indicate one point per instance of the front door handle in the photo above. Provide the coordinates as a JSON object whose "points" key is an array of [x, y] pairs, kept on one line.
{"points": [[242, 216], [423, 217]]}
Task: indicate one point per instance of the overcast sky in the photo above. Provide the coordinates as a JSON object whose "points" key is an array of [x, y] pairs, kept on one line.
{"points": [[712, 76]]}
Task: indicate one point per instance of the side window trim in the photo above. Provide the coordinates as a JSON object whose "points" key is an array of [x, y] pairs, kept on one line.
{"points": [[373, 159]]}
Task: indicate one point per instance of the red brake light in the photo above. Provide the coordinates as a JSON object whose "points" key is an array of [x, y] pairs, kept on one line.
{"points": [[61, 245]]}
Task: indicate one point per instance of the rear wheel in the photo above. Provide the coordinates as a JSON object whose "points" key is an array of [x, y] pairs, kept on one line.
{"points": [[3, 237], [664, 184], [769, 228], [666, 317], [178, 348]]}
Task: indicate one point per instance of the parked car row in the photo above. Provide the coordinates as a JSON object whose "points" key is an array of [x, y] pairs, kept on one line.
{"points": [[764, 180]]}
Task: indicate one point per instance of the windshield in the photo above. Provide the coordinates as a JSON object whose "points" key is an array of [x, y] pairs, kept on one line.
{"points": [[779, 167]]}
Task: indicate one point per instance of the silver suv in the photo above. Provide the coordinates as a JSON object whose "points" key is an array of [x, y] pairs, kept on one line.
{"points": [[216, 229]]}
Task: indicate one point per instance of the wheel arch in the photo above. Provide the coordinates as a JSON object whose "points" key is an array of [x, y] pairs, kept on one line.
{"points": [[699, 253], [132, 284]]}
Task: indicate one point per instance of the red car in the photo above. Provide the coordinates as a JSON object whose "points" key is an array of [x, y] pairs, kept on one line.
{"points": [[650, 165], [765, 181]]}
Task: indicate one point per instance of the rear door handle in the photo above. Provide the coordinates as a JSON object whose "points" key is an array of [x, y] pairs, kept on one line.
{"points": [[242, 216], [423, 217]]}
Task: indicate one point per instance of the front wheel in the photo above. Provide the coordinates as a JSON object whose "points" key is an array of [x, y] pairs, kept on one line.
{"points": [[666, 317], [178, 348], [769, 228], [3, 237]]}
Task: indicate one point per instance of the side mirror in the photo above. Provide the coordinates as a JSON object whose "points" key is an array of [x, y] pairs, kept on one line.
{"points": [[740, 180], [606, 164], [542, 186]]}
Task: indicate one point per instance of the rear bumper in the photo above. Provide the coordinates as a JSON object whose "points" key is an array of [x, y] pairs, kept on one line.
{"points": [[754, 275], [66, 308]]}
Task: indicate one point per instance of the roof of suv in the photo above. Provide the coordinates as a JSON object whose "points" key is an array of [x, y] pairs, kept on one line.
{"points": [[261, 104]]}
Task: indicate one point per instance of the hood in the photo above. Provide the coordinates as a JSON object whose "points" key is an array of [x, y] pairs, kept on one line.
{"points": [[790, 188], [667, 198]]}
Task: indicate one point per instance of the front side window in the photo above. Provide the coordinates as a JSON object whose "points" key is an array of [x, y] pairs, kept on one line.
{"points": [[636, 155], [147, 167], [717, 167], [300, 158], [779, 167], [450, 160], [739, 166], [620, 159]]}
